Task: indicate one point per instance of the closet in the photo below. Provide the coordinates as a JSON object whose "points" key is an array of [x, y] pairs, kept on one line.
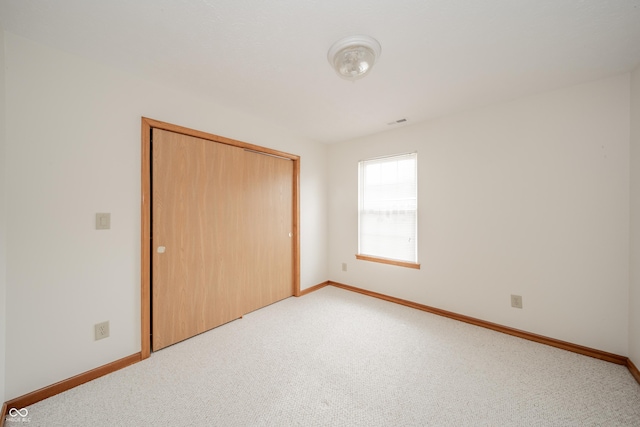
{"points": [[222, 232]]}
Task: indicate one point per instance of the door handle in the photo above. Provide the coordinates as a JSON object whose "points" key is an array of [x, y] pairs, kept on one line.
{"points": [[161, 249]]}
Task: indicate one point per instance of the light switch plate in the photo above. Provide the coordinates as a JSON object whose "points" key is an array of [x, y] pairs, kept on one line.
{"points": [[103, 221]]}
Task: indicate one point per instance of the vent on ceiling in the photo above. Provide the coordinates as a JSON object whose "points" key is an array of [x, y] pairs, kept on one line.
{"points": [[395, 122]]}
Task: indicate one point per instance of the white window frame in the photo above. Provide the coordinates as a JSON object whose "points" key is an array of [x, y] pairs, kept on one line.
{"points": [[388, 223]]}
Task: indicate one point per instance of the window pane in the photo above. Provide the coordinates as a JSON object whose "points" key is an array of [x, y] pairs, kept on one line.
{"points": [[388, 207]]}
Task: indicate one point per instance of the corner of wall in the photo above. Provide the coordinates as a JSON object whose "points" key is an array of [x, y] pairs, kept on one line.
{"points": [[3, 257], [634, 264]]}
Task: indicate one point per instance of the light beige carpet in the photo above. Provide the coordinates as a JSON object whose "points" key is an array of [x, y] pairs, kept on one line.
{"points": [[336, 358]]}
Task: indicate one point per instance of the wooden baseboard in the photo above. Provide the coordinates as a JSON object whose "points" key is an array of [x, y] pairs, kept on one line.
{"points": [[313, 289], [52, 390], [3, 414], [634, 370], [64, 385], [598, 354]]}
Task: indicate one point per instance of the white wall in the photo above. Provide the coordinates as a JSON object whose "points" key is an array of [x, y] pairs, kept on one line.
{"points": [[3, 227], [529, 197], [73, 149], [634, 290]]}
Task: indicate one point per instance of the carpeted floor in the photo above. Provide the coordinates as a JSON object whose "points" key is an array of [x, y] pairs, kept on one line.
{"points": [[337, 358]]}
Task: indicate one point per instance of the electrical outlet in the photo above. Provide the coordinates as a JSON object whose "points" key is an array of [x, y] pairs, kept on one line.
{"points": [[101, 330], [344, 266], [516, 301]]}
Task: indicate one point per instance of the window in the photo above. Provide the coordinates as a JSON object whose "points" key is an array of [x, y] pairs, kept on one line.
{"points": [[388, 210]]}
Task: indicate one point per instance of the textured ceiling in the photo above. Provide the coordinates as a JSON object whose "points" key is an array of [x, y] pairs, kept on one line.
{"points": [[268, 58]]}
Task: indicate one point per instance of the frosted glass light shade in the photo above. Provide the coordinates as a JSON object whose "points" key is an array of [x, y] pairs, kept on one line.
{"points": [[353, 57]]}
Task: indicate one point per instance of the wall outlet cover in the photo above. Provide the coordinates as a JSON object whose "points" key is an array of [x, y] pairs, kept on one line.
{"points": [[101, 330], [516, 301]]}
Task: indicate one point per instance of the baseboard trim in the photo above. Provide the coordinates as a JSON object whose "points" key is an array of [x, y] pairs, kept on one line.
{"points": [[598, 354], [3, 414], [313, 289], [64, 385], [59, 387], [634, 370]]}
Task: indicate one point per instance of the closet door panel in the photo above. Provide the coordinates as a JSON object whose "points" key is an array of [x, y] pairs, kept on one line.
{"points": [[268, 222], [197, 256]]}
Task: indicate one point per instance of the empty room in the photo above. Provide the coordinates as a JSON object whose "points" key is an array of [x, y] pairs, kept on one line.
{"points": [[354, 213]]}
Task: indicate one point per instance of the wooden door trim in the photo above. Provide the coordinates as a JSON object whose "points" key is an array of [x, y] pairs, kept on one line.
{"points": [[145, 295]]}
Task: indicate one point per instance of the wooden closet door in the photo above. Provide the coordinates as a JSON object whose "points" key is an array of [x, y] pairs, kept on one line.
{"points": [[197, 261], [268, 189]]}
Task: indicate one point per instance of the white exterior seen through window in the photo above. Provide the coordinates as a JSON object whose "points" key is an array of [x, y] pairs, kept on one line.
{"points": [[388, 208]]}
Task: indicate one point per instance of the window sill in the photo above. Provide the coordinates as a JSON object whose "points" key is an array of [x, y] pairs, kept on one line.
{"points": [[388, 261]]}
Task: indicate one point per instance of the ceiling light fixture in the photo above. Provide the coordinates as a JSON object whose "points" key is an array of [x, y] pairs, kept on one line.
{"points": [[353, 57]]}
